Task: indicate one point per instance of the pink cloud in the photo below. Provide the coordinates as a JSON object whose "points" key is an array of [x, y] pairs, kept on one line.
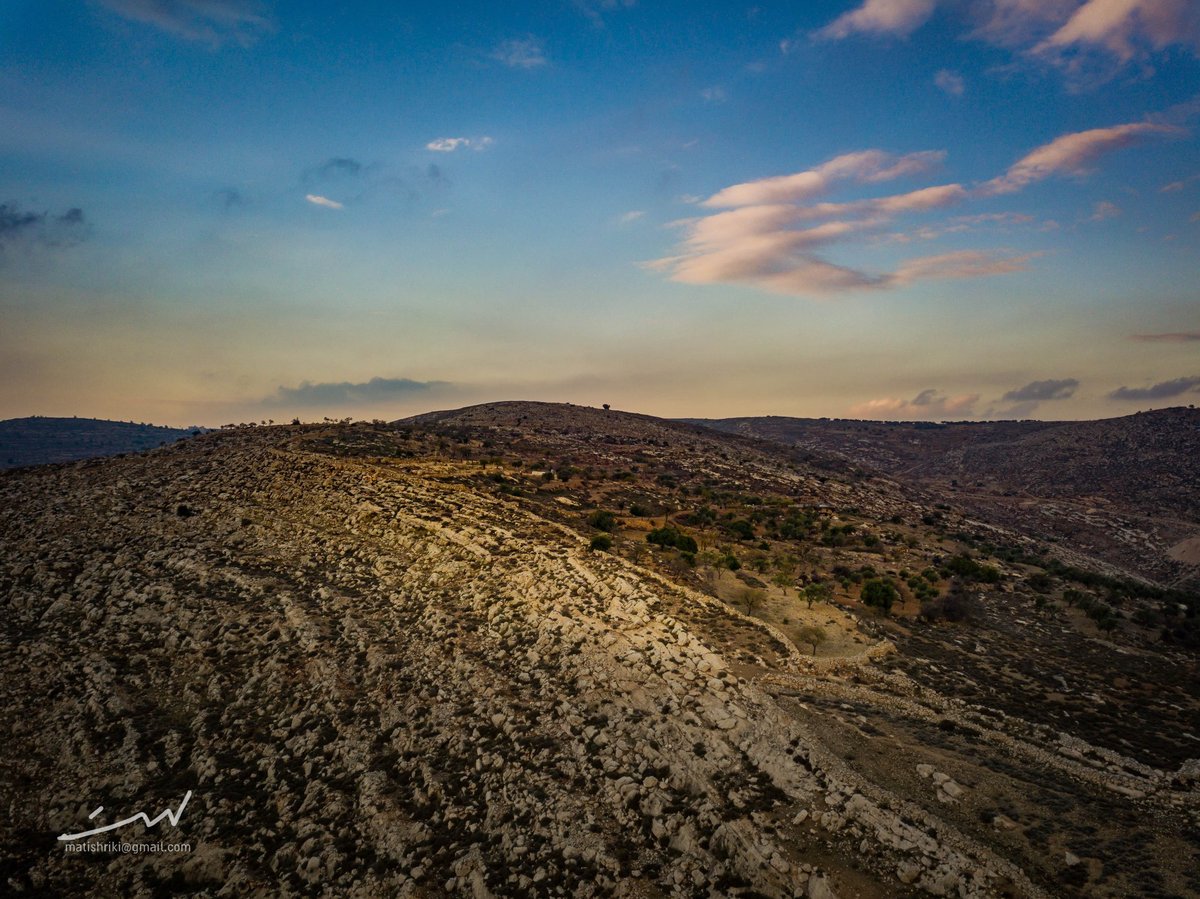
{"points": [[896, 17], [1071, 34], [1071, 154], [950, 82], [959, 264], [1012, 23], [1176, 186], [1122, 26], [865, 167], [761, 239], [926, 405], [1104, 210]]}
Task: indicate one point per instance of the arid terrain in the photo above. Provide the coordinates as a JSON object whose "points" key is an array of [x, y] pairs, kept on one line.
{"points": [[529, 649], [1122, 490]]}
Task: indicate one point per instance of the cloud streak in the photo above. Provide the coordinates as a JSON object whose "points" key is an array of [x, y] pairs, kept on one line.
{"points": [[19, 225], [865, 167], [926, 405], [212, 22], [1176, 186], [1074, 36], [1160, 391], [766, 233], [1043, 391], [339, 166], [348, 393], [1073, 154], [1126, 28], [950, 83], [596, 9], [450, 144], [1170, 337], [318, 200], [526, 53], [898, 18]]}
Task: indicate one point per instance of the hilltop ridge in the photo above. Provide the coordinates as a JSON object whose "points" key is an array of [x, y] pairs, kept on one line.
{"points": [[38, 440], [539, 650]]}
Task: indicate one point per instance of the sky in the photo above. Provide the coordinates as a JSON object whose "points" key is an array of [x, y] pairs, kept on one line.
{"points": [[218, 211]]}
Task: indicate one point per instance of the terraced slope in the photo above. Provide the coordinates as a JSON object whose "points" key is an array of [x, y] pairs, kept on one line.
{"points": [[1121, 490], [378, 679]]}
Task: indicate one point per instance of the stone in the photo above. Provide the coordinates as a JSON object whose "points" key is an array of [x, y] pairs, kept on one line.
{"points": [[820, 888]]}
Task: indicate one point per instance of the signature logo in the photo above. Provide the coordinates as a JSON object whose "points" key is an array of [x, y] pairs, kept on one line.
{"points": [[172, 816]]}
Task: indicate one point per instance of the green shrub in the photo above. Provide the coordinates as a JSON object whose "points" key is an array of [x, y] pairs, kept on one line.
{"points": [[603, 520], [879, 593], [670, 537], [967, 568]]}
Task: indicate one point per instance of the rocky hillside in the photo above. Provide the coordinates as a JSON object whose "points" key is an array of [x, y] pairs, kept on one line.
{"points": [[39, 440], [1121, 489], [454, 656]]}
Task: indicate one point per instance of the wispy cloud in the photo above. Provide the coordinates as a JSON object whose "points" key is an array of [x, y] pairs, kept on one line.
{"points": [[213, 22], [961, 224], [336, 170], [318, 200], [597, 9], [376, 390], [340, 165], [1073, 154], [880, 17], [959, 264], [525, 53], [926, 405], [767, 236], [230, 198], [1079, 38], [1176, 186], [950, 82], [714, 95], [1025, 400], [766, 231], [1160, 391], [1170, 337], [1017, 23], [864, 167], [632, 216], [450, 144], [19, 225], [1126, 28], [1104, 210], [1043, 391]]}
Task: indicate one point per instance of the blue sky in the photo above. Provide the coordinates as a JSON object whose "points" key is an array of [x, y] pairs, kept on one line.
{"points": [[217, 210]]}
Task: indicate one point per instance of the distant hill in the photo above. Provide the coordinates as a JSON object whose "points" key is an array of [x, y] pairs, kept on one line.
{"points": [[1109, 487], [1151, 458], [37, 440]]}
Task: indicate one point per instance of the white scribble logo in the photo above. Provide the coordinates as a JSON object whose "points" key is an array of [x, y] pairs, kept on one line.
{"points": [[172, 816]]}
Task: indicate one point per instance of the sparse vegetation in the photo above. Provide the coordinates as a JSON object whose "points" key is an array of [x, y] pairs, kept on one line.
{"points": [[879, 593], [603, 520], [812, 635], [672, 538]]}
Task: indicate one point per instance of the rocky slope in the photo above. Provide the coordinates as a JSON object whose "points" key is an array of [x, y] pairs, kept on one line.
{"points": [[380, 674], [1123, 490]]}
